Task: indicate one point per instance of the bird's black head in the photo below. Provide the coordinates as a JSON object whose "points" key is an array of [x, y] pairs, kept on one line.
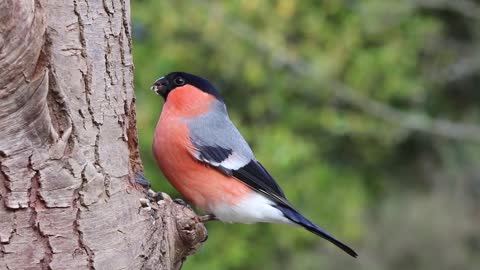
{"points": [[171, 81]]}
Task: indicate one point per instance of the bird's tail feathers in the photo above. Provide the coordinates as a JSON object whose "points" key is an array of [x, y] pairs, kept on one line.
{"points": [[299, 219]]}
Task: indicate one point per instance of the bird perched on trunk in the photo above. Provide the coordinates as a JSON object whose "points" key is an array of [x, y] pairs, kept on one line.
{"points": [[204, 156]]}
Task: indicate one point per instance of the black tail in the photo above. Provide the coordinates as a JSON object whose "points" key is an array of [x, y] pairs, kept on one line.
{"points": [[297, 218]]}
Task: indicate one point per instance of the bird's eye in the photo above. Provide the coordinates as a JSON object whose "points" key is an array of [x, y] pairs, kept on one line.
{"points": [[179, 81]]}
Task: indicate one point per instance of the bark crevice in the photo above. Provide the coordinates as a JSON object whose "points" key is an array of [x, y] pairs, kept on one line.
{"points": [[81, 245], [69, 146]]}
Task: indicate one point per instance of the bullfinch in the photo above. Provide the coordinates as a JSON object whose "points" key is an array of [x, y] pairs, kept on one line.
{"points": [[204, 156]]}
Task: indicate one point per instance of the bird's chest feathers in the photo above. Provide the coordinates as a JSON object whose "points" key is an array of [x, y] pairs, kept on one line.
{"points": [[171, 143], [172, 136], [188, 101], [199, 183]]}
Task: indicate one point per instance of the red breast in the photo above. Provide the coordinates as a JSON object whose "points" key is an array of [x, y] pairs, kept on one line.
{"points": [[204, 186]]}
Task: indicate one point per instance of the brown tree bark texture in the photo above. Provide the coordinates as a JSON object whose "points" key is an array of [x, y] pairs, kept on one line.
{"points": [[68, 145]]}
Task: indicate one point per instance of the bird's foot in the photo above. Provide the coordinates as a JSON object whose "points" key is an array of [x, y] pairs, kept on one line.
{"points": [[207, 217], [150, 203], [160, 196], [182, 203], [141, 180], [156, 196]]}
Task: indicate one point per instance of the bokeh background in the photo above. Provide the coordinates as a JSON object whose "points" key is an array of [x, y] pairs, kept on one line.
{"points": [[366, 112]]}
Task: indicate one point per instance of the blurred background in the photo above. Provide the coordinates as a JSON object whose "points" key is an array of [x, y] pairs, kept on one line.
{"points": [[366, 112]]}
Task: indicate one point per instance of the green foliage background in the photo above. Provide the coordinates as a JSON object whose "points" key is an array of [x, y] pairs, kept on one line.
{"points": [[340, 100]]}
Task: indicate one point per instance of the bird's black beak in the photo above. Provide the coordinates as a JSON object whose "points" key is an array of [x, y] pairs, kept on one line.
{"points": [[161, 87]]}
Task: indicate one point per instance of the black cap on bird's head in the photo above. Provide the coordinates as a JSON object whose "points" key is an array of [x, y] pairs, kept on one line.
{"points": [[171, 81]]}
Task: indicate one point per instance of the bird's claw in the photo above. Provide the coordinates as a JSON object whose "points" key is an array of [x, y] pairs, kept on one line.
{"points": [[156, 196], [151, 200], [161, 196], [141, 180], [182, 203]]}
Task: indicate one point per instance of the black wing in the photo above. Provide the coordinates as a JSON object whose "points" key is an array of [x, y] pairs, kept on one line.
{"points": [[256, 176], [253, 174], [213, 154], [250, 172]]}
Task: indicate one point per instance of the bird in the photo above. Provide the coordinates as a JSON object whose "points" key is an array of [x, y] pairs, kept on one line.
{"points": [[204, 157]]}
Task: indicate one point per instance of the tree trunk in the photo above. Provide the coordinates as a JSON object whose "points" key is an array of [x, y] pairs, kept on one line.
{"points": [[68, 145]]}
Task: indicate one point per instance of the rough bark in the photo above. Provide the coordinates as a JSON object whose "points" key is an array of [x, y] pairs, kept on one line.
{"points": [[68, 145]]}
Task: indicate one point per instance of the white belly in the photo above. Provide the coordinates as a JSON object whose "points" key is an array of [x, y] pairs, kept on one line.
{"points": [[254, 208]]}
